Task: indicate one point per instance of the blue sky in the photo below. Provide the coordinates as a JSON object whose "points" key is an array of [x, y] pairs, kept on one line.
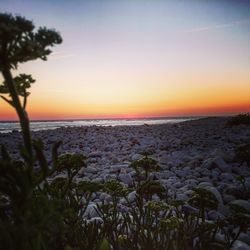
{"points": [[178, 54]]}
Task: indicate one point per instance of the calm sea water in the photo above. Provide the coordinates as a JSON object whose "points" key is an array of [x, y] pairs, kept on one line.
{"points": [[6, 127]]}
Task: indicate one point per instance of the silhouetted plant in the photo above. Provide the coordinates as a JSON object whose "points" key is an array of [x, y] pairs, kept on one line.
{"points": [[244, 191], [144, 166], [242, 153], [240, 119], [148, 188], [20, 43], [203, 198]]}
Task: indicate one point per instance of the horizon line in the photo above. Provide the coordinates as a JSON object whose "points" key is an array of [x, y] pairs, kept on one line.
{"points": [[122, 118]]}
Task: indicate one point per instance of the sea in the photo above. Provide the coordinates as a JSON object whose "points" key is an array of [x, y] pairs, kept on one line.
{"points": [[10, 126]]}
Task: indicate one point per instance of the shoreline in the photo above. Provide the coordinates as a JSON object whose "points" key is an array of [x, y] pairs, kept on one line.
{"points": [[8, 127], [118, 118], [188, 136]]}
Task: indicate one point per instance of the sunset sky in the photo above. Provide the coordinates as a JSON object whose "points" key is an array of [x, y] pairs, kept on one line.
{"points": [[138, 58]]}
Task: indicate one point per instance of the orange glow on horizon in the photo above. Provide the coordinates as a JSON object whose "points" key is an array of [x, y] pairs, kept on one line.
{"points": [[143, 99], [9, 113]]}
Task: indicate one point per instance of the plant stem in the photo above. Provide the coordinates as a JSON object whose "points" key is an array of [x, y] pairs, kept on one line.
{"points": [[23, 116]]}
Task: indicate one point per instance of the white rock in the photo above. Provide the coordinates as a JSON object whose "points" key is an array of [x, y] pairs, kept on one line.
{"points": [[177, 185], [228, 198], [241, 203], [221, 208], [189, 209], [118, 167], [163, 160], [204, 179], [133, 173], [95, 154], [91, 211], [239, 245], [207, 164], [216, 193], [96, 220], [222, 165], [98, 180], [182, 197], [103, 196], [215, 174], [85, 178], [136, 157], [164, 175], [109, 177], [183, 189], [191, 183], [227, 156], [182, 173], [90, 170], [205, 184], [226, 177], [126, 178], [220, 237], [132, 196], [155, 197], [123, 201], [245, 237], [189, 193], [205, 172], [215, 215]]}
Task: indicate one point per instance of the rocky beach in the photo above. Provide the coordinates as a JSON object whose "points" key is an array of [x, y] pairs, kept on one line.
{"points": [[198, 153]]}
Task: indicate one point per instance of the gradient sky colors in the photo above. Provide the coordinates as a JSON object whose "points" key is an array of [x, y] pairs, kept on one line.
{"points": [[139, 58]]}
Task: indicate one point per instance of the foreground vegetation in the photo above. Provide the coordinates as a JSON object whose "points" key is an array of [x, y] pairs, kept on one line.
{"points": [[43, 206], [241, 119]]}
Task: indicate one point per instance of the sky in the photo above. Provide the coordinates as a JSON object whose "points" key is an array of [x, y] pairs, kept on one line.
{"points": [[140, 58]]}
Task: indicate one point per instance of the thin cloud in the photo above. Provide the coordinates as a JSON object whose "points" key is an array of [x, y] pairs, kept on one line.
{"points": [[218, 26]]}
